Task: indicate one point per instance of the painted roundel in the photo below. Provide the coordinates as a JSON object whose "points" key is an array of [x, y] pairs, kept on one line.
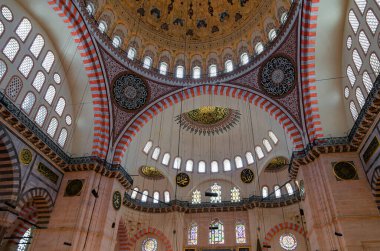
{"points": [[130, 92], [278, 76]]}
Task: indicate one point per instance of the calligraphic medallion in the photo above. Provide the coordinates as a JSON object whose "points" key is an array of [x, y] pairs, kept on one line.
{"points": [[116, 200], [182, 179], [247, 175], [25, 156], [345, 170]]}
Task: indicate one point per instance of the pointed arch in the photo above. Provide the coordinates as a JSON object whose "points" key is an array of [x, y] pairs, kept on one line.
{"points": [[130, 245], [279, 227]]}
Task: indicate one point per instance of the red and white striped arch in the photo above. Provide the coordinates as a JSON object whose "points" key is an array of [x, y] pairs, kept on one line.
{"points": [[308, 75], [70, 15], [282, 226], [273, 109]]}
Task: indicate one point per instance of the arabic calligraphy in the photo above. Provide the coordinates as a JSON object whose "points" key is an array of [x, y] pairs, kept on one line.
{"points": [[182, 179]]}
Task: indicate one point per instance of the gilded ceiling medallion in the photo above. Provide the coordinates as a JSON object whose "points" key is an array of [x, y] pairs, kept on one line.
{"points": [[151, 173], [25, 156], [209, 120], [130, 92], [247, 176], [182, 179], [277, 164], [278, 77]]}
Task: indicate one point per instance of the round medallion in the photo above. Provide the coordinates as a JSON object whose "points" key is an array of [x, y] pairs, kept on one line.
{"points": [[74, 187], [345, 170], [288, 241], [116, 200], [151, 173], [25, 156], [182, 179], [278, 76], [130, 92], [247, 176]]}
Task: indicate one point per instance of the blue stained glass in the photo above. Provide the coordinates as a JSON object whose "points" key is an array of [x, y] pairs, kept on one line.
{"points": [[193, 234], [240, 233], [216, 234]]}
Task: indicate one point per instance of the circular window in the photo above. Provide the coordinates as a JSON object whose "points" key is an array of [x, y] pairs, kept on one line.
{"points": [[57, 78], [149, 244], [346, 92], [68, 120], [288, 241], [349, 42]]}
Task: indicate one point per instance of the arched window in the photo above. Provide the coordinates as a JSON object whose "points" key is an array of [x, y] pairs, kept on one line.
{"points": [[177, 163], [163, 68], [102, 26], [351, 76], [228, 66], [212, 70], [259, 48], [214, 167], [201, 167], [235, 195], [48, 61], [50, 94], [147, 62], [180, 71], [277, 191], [259, 152], [116, 41], [244, 58], [62, 137], [272, 34], [196, 72], [90, 8], [192, 234], [144, 196], [28, 102], [41, 115], [284, 17], [57, 78], [375, 64], [39, 81], [216, 232], [37, 45], [26, 66], [353, 20], [265, 192], [60, 107], [226, 165], [367, 82], [196, 197], [273, 137], [357, 60], [353, 110], [52, 128], [189, 165], [249, 158], [218, 190], [149, 244], [238, 162], [156, 153], [147, 147], [25, 240], [372, 21], [240, 233], [131, 53], [360, 97], [267, 145], [7, 13], [166, 159], [11, 49], [364, 42], [24, 29], [156, 197], [289, 188], [68, 120], [167, 196], [134, 193], [361, 5]]}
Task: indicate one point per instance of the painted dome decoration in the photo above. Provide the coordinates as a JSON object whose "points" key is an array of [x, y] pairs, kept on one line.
{"points": [[151, 173]]}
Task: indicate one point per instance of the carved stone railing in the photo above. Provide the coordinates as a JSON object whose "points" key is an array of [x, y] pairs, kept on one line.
{"points": [[187, 207]]}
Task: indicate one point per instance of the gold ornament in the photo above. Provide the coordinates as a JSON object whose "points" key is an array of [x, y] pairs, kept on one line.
{"points": [[25, 156]]}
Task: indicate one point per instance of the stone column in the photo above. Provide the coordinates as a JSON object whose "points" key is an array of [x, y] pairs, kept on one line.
{"points": [[82, 222], [342, 207]]}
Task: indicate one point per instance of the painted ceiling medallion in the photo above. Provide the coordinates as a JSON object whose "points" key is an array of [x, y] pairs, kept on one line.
{"points": [[151, 173], [277, 164], [182, 179], [209, 120], [278, 76], [25, 156], [130, 92], [247, 176]]}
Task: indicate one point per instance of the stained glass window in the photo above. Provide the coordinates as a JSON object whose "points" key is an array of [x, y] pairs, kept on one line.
{"points": [[52, 128], [28, 102], [166, 159], [41, 115], [11, 49], [218, 190], [192, 235], [37, 45], [62, 137], [24, 29], [240, 233], [288, 241], [60, 106], [50, 94], [39, 81], [25, 240], [235, 195], [196, 198], [149, 244], [48, 61], [216, 233]]}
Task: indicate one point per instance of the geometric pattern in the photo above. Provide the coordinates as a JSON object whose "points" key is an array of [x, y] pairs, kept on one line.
{"points": [[67, 10], [277, 228], [223, 90], [129, 245], [308, 76]]}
